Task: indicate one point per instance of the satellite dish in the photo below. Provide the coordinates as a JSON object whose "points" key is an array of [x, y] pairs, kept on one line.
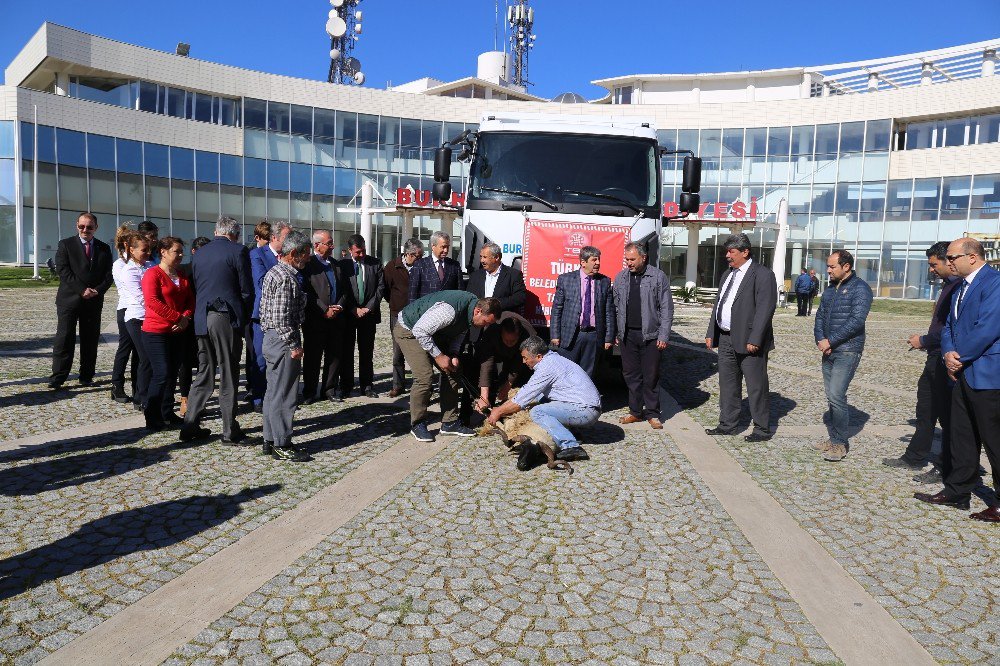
{"points": [[357, 15], [351, 66], [359, 78], [334, 54], [336, 27], [333, 12], [357, 28], [337, 3]]}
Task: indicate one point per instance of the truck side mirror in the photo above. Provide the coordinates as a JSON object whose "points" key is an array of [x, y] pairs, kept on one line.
{"points": [[692, 175], [442, 164], [441, 191], [689, 202]]}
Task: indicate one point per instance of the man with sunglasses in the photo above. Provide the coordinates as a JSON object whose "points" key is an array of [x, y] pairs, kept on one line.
{"points": [[970, 347], [84, 267]]}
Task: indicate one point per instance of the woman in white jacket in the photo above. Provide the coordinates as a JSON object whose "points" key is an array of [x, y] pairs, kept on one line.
{"points": [[133, 249]]}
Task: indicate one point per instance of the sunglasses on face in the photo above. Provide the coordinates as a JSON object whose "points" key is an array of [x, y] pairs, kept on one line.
{"points": [[85, 227], [954, 257]]}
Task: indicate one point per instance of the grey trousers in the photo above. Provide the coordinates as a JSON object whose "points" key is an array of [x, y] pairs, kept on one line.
{"points": [[282, 389], [398, 362], [734, 367], [221, 349]]}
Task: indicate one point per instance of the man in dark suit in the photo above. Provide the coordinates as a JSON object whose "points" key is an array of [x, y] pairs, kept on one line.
{"points": [[224, 296], [84, 267], [438, 272], [740, 328], [366, 284], [583, 312], [397, 291], [970, 345], [494, 280], [323, 329], [262, 258]]}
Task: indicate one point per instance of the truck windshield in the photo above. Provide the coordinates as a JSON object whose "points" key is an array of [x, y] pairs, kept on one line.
{"points": [[568, 170]]}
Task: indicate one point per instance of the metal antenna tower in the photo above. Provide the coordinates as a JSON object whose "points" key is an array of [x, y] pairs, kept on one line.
{"points": [[520, 23], [344, 28]]}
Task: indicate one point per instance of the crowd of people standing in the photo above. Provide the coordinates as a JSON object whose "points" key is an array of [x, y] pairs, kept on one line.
{"points": [[303, 314]]}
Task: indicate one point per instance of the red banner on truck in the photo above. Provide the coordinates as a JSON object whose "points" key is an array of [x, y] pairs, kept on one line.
{"points": [[553, 248]]}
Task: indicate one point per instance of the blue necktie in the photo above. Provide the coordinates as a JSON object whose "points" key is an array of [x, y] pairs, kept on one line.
{"points": [[587, 301], [333, 284]]}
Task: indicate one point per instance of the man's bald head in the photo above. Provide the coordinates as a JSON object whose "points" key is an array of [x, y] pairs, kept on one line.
{"points": [[966, 256]]}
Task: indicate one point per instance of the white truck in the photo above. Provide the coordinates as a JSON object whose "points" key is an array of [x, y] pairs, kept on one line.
{"points": [[542, 186]]}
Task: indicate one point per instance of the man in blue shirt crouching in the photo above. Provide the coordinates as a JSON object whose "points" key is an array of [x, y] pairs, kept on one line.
{"points": [[571, 398]]}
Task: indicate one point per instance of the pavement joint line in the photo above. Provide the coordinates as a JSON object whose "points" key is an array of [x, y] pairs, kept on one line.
{"points": [[855, 626], [151, 629], [805, 373]]}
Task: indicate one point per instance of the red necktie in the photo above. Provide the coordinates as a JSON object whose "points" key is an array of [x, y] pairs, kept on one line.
{"points": [[86, 249], [441, 269]]}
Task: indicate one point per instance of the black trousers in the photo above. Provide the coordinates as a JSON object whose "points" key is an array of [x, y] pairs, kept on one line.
{"points": [[398, 362], [809, 303], [802, 301], [165, 352], [734, 367], [641, 369], [86, 315], [189, 362], [584, 350], [125, 355], [360, 332], [142, 377], [975, 423], [322, 344], [933, 405]]}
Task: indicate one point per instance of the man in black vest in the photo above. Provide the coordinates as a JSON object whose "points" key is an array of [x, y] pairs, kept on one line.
{"points": [[430, 332], [323, 328], [365, 285], [84, 267]]}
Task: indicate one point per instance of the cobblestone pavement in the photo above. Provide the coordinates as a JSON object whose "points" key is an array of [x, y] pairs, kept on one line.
{"points": [[630, 560]]}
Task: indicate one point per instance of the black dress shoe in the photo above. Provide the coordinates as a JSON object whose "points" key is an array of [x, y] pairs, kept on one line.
{"points": [[118, 395], [85, 382], [572, 454], [191, 433], [237, 438], [155, 426], [370, 393], [758, 437], [267, 449], [289, 453], [308, 401], [940, 499], [903, 463], [719, 431], [55, 386], [334, 396], [173, 420]]}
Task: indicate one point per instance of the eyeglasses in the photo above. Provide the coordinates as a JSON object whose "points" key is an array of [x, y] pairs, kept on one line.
{"points": [[325, 243], [953, 257], [85, 227]]}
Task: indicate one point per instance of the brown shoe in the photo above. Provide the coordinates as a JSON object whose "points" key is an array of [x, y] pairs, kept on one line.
{"points": [[940, 499], [629, 418], [184, 407], [823, 447], [990, 515], [835, 453], [395, 392], [655, 424]]}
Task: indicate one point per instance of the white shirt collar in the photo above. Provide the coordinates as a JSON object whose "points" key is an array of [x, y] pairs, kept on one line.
{"points": [[272, 251], [745, 266], [972, 276], [496, 272]]}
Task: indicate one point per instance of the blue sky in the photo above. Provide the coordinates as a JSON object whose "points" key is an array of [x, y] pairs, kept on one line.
{"points": [[578, 41]]}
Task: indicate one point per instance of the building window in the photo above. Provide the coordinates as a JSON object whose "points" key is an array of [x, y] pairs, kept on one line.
{"points": [[623, 95]]}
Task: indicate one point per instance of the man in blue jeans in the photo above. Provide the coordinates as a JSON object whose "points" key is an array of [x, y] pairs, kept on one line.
{"points": [[840, 336], [803, 292], [573, 399]]}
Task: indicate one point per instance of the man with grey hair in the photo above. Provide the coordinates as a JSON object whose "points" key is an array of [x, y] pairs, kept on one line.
{"points": [[221, 276], [282, 312], [741, 329], [396, 275], [437, 272], [323, 328], [495, 280], [262, 259], [645, 313], [572, 398], [583, 312]]}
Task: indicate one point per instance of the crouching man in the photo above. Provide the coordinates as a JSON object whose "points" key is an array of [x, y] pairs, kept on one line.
{"points": [[573, 399], [430, 331]]}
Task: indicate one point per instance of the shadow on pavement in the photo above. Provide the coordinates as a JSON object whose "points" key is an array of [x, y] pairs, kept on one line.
{"points": [[47, 396], [46, 475], [119, 534], [72, 445]]}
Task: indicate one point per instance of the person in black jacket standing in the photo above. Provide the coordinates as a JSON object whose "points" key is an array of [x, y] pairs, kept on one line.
{"points": [[323, 326], [365, 287], [84, 267], [494, 280]]}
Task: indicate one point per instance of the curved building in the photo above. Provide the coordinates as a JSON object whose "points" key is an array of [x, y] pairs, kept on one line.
{"points": [[882, 157]]}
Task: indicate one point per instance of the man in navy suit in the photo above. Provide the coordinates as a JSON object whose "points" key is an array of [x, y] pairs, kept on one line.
{"points": [[262, 258], [364, 312], [437, 272], [583, 312], [84, 267], [224, 294], [970, 346]]}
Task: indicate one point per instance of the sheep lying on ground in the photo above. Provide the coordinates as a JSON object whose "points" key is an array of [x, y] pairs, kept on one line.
{"points": [[529, 441]]}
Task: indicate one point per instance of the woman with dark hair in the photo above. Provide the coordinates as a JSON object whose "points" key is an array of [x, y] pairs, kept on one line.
{"points": [[133, 250], [169, 307]]}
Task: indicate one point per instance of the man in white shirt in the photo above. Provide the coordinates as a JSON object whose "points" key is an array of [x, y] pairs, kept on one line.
{"points": [[740, 328]]}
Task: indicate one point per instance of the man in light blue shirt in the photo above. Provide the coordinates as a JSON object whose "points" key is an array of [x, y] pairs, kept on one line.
{"points": [[572, 398]]}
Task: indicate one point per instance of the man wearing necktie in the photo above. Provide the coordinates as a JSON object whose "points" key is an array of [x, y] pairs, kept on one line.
{"points": [[970, 346], [436, 272], [741, 329], [583, 312], [323, 327], [364, 312], [84, 266]]}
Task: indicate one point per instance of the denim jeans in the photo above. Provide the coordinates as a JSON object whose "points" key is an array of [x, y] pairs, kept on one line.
{"points": [[555, 416], [838, 371]]}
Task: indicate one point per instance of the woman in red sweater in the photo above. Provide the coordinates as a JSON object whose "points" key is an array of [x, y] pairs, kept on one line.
{"points": [[169, 307]]}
